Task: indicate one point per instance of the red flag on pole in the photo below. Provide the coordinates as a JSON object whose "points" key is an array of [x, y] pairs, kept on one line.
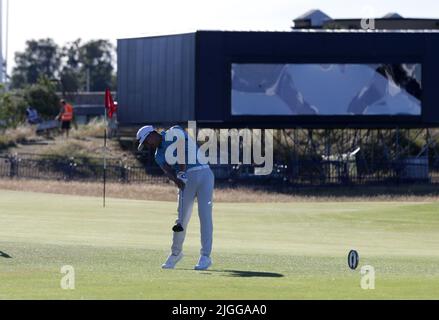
{"points": [[109, 104]]}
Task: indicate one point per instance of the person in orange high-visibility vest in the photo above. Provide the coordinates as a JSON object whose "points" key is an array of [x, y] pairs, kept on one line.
{"points": [[66, 117]]}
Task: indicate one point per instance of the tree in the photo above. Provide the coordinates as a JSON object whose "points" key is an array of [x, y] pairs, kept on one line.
{"points": [[88, 66], [40, 57], [77, 66], [96, 58], [71, 76]]}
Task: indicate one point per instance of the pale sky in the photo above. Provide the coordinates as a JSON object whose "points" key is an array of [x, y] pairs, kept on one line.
{"points": [[65, 20]]}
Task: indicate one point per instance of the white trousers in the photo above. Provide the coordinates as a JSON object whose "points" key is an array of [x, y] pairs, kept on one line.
{"points": [[199, 185]]}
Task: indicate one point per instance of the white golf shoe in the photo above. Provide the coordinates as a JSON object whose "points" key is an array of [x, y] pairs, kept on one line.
{"points": [[204, 263], [172, 261]]}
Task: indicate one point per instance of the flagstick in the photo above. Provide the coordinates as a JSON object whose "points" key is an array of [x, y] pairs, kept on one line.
{"points": [[105, 150]]}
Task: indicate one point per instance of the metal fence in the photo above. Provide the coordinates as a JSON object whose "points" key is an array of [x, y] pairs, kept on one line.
{"points": [[75, 169], [309, 172], [304, 172]]}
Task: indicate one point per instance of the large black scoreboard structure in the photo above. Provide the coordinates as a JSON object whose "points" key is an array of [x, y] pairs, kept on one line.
{"points": [[298, 79]]}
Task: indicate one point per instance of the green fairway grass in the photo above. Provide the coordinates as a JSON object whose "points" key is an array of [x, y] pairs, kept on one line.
{"points": [[261, 251]]}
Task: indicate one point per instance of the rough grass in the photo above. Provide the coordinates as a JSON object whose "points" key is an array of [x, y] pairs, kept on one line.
{"points": [[94, 129], [85, 142], [263, 251], [13, 136], [90, 149], [168, 192], [160, 192]]}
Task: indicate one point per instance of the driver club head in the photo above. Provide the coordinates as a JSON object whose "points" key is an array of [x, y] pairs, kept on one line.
{"points": [[177, 228]]}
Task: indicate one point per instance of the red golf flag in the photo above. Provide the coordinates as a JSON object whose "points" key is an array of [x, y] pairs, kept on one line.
{"points": [[109, 104]]}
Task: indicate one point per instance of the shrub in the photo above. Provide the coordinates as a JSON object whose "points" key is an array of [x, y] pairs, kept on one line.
{"points": [[42, 96], [12, 109]]}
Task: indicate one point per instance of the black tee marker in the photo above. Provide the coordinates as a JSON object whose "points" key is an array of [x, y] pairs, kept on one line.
{"points": [[353, 259]]}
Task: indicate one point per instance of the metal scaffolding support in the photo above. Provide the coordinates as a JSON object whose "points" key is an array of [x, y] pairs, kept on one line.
{"points": [[358, 155]]}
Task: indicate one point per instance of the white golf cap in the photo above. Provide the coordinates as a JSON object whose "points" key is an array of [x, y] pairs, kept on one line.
{"points": [[142, 134]]}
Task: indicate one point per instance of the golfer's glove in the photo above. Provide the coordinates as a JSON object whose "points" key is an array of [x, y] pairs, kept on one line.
{"points": [[182, 176]]}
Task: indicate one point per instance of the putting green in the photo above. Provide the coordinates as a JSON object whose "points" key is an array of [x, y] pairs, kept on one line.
{"points": [[261, 251]]}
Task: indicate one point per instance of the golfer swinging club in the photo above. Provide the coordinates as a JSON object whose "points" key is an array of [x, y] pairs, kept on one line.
{"points": [[192, 180]]}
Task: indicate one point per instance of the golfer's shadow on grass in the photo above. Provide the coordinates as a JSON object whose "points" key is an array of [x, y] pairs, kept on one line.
{"points": [[245, 274], [5, 255]]}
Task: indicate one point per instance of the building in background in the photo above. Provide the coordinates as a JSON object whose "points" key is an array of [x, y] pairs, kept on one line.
{"points": [[324, 79], [316, 19], [87, 106]]}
